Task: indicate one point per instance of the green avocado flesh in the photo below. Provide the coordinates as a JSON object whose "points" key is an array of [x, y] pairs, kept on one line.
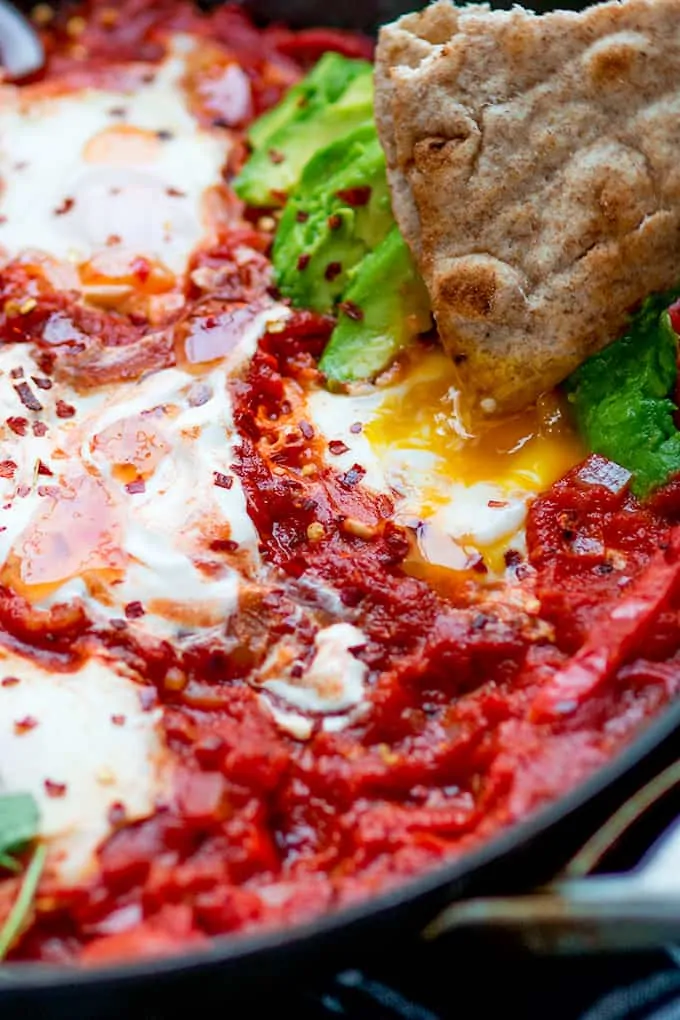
{"points": [[338, 213], [337, 249], [334, 98], [621, 397], [384, 307]]}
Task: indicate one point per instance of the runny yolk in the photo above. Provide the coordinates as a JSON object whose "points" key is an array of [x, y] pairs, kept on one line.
{"points": [[526, 451]]}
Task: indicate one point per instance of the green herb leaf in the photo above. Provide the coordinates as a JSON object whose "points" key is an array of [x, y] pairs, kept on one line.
{"points": [[621, 398], [10, 863], [19, 820], [21, 910]]}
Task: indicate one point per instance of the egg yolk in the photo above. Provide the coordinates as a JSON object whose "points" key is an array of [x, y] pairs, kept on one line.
{"points": [[526, 451], [458, 537]]}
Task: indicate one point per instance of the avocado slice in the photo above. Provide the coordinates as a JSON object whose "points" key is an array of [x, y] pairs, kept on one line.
{"points": [[339, 212], [334, 98], [383, 309], [324, 84]]}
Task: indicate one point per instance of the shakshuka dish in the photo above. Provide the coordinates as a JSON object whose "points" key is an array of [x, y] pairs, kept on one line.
{"points": [[339, 452]]}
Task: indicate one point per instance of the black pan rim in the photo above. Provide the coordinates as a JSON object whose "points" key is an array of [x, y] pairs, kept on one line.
{"points": [[29, 977]]}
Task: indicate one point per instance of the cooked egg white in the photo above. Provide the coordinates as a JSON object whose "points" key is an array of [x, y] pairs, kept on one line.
{"points": [[140, 488], [81, 743], [332, 686], [111, 174]]}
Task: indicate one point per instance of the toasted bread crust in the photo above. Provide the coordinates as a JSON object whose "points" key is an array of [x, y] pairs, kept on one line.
{"points": [[535, 170]]}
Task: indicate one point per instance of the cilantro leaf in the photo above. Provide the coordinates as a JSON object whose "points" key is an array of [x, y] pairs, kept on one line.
{"points": [[21, 907], [621, 397], [18, 822]]}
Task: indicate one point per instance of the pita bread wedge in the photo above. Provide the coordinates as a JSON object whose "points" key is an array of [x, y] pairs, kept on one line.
{"points": [[534, 162]]}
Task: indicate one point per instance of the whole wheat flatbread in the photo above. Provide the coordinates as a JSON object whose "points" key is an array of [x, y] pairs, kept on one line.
{"points": [[534, 162]]}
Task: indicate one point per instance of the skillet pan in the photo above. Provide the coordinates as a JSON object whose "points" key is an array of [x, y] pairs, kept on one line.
{"points": [[527, 855]]}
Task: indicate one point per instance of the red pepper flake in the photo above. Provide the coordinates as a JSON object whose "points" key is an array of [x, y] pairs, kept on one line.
{"points": [[65, 410], [303, 262], [478, 565], [41, 382], [49, 490], [113, 239], [133, 610], [65, 207], [17, 373], [18, 425], [333, 270], [356, 428], [224, 545], [21, 726], [306, 429], [27, 397], [10, 681], [276, 157], [355, 196], [7, 468], [336, 447], [141, 267], [175, 193], [53, 789], [223, 481], [497, 504], [512, 557], [117, 111], [135, 487], [43, 469], [45, 360], [301, 216], [3, 220], [23, 491], [164, 135], [118, 719], [39, 428], [351, 310], [353, 476], [117, 814], [334, 221]]}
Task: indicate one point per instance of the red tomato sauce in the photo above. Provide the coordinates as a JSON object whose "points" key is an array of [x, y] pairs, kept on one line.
{"points": [[479, 713]]}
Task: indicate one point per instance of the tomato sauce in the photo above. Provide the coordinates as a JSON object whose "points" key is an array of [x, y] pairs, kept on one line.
{"points": [[480, 709]]}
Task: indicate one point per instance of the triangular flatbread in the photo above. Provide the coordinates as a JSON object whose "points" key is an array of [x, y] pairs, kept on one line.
{"points": [[534, 162]]}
